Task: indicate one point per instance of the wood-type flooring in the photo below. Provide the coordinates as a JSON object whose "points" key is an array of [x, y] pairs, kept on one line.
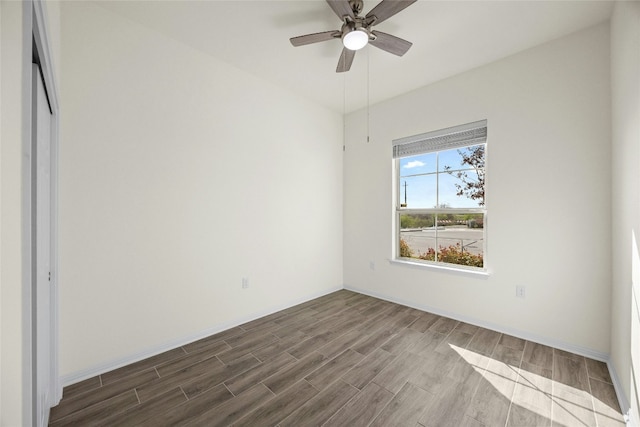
{"points": [[347, 359]]}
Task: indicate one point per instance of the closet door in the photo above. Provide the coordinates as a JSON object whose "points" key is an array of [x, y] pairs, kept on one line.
{"points": [[41, 175]]}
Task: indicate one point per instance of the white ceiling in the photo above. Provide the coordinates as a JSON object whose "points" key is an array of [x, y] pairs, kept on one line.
{"points": [[449, 37]]}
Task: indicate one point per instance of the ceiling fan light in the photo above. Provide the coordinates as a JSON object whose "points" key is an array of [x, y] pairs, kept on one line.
{"points": [[355, 40]]}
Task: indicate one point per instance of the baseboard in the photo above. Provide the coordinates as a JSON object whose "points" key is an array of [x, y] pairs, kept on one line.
{"points": [[572, 348], [622, 399], [115, 364]]}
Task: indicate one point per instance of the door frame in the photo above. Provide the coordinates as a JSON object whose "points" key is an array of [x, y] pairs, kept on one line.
{"points": [[36, 37]]}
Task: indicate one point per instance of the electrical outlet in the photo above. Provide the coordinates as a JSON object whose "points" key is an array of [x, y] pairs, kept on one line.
{"points": [[245, 282], [372, 265], [520, 291]]}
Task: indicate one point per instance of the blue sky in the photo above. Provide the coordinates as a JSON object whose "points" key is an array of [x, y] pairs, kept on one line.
{"points": [[419, 173]]}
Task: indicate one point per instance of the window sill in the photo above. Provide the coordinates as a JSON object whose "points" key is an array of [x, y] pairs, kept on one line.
{"points": [[441, 268]]}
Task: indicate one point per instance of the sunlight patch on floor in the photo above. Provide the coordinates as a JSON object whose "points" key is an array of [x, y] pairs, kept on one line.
{"points": [[534, 395]]}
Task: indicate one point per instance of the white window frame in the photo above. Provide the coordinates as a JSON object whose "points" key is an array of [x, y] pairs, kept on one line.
{"points": [[461, 136]]}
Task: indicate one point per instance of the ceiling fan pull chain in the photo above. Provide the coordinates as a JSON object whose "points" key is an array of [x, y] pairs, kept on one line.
{"points": [[344, 112], [368, 94]]}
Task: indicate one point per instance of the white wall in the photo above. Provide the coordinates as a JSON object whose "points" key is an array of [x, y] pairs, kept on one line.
{"points": [[548, 186], [625, 85], [11, 321], [179, 176]]}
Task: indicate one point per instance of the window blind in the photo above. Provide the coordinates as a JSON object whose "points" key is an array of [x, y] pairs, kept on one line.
{"points": [[443, 139]]}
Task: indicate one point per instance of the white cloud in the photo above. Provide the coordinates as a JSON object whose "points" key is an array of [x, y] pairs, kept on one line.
{"points": [[413, 164]]}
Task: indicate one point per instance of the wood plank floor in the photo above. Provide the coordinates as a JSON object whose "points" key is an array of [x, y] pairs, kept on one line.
{"points": [[347, 359]]}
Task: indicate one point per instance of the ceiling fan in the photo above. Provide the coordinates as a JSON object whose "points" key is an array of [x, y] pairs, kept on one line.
{"points": [[356, 30]]}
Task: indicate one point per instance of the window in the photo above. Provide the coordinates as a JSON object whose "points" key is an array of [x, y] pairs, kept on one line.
{"points": [[440, 203]]}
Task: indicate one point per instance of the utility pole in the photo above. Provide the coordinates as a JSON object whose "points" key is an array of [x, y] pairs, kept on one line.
{"points": [[404, 205]]}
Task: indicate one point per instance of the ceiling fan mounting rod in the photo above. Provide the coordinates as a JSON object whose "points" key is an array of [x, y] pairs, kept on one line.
{"points": [[356, 6]]}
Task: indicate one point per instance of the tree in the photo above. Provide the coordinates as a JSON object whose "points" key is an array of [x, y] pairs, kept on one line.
{"points": [[472, 186]]}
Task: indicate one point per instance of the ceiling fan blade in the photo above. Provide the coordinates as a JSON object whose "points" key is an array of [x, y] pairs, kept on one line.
{"points": [[346, 59], [314, 38], [341, 8], [391, 44], [386, 9]]}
